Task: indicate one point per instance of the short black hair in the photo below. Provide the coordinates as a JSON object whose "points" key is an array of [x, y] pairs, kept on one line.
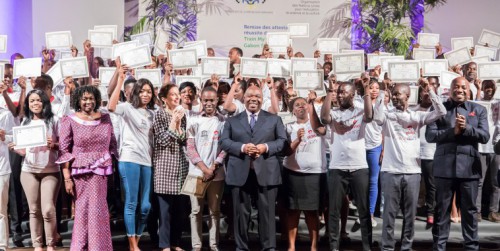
{"points": [[208, 89], [78, 94], [44, 81], [135, 100], [188, 84], [238, 50]]}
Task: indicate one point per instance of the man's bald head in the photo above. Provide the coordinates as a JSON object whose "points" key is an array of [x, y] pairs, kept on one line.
{"points": [[459, 90], [400, 96], [253, 99]]}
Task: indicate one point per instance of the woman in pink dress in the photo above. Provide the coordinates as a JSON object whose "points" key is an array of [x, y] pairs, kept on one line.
{"points": [[87, 145]]}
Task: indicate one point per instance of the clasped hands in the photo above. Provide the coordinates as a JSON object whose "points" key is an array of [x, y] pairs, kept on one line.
{"points": [[254, 151], [460, 124]]}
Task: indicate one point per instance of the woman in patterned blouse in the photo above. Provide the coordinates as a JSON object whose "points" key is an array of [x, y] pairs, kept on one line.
{"points": [[87, 144], [170, 166]]}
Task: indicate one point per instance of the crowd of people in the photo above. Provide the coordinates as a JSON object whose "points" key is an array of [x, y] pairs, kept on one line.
{"points": [[362, 145]]}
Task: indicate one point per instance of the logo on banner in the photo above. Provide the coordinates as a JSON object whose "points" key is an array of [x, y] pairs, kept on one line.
{"points": [[250, 2]]}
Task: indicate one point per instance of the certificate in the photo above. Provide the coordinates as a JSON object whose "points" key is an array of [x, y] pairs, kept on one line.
{"points": [[55, 73], [137, 57], [446, 78], [428, 40], [278, 49], [215, 65], [195, 80], [66, 54], [491, 52], [421, 54], [153, 75], [458, 57], [194, 186], [287, 117], [200, 46], [328, 45], [105, 75], [118, 49], [183, 58], [298, 29], [29, 136], [3, 43], [58, 40], [111, 28], [253, 68], [309, 81], [348, 63], [413, 99], [101, 39], [489, 37], [497, 92], [104, 92], [281, 68], [75, 67], [352, 51], [384, 61], [404, 71], [29, 67], [278, 39], [488, 71], [374, 59], [143, 38], [434, 67], [104, 53], [304, 64], [2, 72], [459, 42], [481, 59], [345, 77], [161, 42]]}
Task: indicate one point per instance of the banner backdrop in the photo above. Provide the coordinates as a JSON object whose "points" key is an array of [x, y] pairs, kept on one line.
{"points": [[244, 23]]}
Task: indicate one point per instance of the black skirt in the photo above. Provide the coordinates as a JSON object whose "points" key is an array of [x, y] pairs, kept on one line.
{"points": [[304, 191]]}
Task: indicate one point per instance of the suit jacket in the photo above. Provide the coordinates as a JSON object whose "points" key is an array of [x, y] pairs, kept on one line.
{"points": [[268, 129], [457, 156]]}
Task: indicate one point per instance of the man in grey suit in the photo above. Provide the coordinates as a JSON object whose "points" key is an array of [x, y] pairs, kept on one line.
{"points": [[253, 139], [457, 166]]}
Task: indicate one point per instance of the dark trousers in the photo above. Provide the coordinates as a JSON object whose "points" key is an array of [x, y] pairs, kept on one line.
{"points": [[242, 208], [16, 195], [172, 209], [400, 191], [430, 186], [466, 194], [338, 183], [489, 169]]}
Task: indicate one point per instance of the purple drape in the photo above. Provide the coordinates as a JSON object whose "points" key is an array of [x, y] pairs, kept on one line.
{"points": [[417, 16], [356, 30]]}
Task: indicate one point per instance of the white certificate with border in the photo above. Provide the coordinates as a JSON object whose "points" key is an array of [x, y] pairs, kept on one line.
{"points": [[278, 39], [100, 39], [200, 46], [143, 38], [428, 40], [348, 63], [352, 51], [497, 92], [446, 78], [328, 45], [153, 75], [481, 59], [309, 81], [111, 28], [74, 67], [28, 67], [491, 52], [488, 71], [138, 57], [489, 37], [384, 61], [106, 74], [161, 41], [66, 54], [3, 43], [458, 57], [404, 71], [253, 68], [298, 29], [58, 40], [421, 54], [304, 64], [281, 68], [29, 136], [374, 59], [56, 74], [104, 53], [197, 81], [413, 99], [459, 42], [183, 58], [215, 65], [2, 72], [434, 67], [118, 49]]}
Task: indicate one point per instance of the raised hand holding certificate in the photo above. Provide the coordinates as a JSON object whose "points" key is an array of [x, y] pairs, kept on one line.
{"points": [[138, 57], [304, 64], [404, 71], [253, 68], [105, 75], [481, 59], [348, 63], [118, 49], [488, 71], [278, 39], [298, 29], [434, 67], [421, 54], [29, 136], [489, 37], [458, 57], [281, 68], [111, 28], [428, 40], [459, 42], [100, 39], [193, 79], [309, 81], [28, 67], [328, 45], [161, 42], [374, 59], [183, 58], [215, 65], [3, 43], [74, 67], [153, 75], [143, 38], [491, 52], [384, 61], [200, 46], [58, 40]]}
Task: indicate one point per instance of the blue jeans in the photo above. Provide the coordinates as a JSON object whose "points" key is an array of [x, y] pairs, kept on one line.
{"points": [[136, 180], [373, 157]]}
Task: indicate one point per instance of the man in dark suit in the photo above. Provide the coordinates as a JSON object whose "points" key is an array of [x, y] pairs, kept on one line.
{"points": [[457, 166], [253, 139]]}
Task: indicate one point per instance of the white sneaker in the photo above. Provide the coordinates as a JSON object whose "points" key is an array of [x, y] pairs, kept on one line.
{"points": [[374, 223]]}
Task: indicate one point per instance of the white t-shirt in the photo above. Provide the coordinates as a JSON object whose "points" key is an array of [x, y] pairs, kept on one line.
{"points": [[41, 159], [309, 156], [240, 107], [206, 132], [373, 136], [6, 123], [137, 136], [427, 149], [492, 119]]}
